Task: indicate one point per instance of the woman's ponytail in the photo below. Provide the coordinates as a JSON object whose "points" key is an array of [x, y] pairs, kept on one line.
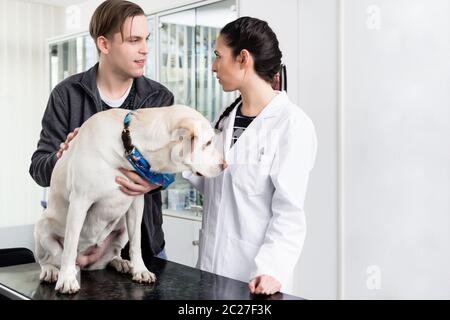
{"points": [[280, 79], [283, 78], [227, 112]]}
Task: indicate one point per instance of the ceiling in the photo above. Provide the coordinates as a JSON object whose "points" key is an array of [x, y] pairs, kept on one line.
{"points": [[59, 3]]}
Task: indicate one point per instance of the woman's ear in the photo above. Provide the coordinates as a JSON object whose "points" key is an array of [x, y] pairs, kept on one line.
{"points": [[244, 58]]}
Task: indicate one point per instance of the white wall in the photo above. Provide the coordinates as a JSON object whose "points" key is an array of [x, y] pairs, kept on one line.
{"points": [[396, 149], [317, 91], [23, 95], [375, 76]]}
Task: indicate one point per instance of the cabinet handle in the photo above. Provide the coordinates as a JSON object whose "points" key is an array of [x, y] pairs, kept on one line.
{"points": [[195, 243]]}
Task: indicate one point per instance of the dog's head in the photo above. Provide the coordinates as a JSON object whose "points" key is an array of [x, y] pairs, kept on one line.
{"points": [[194, 147]]}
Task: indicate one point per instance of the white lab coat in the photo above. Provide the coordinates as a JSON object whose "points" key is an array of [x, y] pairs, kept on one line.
{"points": [[253, 218]]}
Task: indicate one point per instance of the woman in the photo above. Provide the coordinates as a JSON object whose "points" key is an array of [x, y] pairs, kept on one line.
{"points": [[253, 225]]}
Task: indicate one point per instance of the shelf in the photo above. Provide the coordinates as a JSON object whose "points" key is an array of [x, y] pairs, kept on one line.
{"points": [[183, 214]]}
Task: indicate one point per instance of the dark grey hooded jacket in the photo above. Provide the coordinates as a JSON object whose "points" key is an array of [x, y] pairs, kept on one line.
{"points": [[71, 103]]}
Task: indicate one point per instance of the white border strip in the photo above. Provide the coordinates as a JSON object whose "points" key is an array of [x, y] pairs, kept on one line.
{"points": [[340, 150]]}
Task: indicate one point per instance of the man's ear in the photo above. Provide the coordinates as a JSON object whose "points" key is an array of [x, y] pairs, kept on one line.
{"points": [[103, 44]]}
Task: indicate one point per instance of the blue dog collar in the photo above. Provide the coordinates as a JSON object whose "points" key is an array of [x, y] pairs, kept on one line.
{"points": [[138, 162]]}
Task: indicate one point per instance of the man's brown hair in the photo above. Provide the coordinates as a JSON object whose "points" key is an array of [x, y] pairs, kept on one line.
{"points": [[109, 17]]}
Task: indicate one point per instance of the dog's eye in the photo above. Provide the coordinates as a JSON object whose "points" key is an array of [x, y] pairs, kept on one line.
{"points": [[208, 143]]}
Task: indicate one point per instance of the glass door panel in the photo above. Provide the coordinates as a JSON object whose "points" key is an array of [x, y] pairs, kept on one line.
{"points": [[186, 54]]}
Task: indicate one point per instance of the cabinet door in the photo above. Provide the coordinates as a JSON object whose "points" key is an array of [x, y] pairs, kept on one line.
{"points": [[181, 237], [196, 226]]}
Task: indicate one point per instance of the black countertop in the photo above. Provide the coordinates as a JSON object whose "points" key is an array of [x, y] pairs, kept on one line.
{"points": [[174, 281]]}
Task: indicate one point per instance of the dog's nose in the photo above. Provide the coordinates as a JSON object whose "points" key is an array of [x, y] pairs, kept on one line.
{"points": [[224, 165]]}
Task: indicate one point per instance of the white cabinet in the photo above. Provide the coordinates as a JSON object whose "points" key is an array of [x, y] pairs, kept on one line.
{"points": [[181, 231]]}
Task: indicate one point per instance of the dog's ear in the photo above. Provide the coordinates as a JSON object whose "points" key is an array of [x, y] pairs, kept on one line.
{"points": [[189, 125], [186, 131]]}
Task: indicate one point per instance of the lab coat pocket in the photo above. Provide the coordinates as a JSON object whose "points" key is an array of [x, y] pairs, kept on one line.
{"points": [[252, 177], [239, 258]]}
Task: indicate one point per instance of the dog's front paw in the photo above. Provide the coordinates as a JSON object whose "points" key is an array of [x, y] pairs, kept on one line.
{"points": [[121, 265], [144, 276], [49, 273], [67, 282]]}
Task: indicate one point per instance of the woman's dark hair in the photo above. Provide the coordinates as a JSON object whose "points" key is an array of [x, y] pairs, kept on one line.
{"points": [[259, 39]]}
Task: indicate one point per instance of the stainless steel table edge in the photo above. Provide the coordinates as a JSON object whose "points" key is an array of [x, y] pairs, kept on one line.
{"points": [[11, 294]]}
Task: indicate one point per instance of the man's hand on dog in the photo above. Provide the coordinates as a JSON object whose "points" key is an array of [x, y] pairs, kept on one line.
{"points": [[65, 145], [135, 185]]}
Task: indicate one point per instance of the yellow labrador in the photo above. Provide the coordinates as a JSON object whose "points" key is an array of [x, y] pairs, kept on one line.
{"points": [[88, 214]]}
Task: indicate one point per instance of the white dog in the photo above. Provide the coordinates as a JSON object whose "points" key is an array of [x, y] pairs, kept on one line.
{"points": [[88, 214]]}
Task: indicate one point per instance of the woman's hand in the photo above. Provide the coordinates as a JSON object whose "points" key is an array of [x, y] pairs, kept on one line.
{"points": [[264, 284], [136, 185], [65, 145]]}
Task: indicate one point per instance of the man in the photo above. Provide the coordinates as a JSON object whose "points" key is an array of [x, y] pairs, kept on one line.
{"points": [[120, 32]]}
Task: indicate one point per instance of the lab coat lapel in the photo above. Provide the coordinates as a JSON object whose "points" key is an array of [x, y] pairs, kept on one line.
{"points": [[270, 111], [273, 109]]}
